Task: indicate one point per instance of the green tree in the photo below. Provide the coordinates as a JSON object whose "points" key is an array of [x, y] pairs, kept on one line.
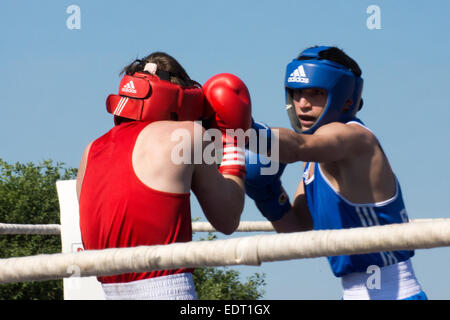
{"points": [[28, 196], [224, 283]]}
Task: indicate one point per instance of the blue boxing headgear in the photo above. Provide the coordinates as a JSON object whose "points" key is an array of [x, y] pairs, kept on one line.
{"points": [[313, 71]]}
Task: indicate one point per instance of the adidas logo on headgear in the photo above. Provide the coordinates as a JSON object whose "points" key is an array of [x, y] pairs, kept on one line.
{"points": [[298, 75], [129, 87]]}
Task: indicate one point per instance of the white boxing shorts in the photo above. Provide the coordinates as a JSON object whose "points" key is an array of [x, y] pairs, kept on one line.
{"points": [[172, 287], [396, 282]]}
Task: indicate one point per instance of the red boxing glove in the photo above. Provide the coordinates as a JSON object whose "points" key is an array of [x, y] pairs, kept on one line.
{"points": [[228, 96]]}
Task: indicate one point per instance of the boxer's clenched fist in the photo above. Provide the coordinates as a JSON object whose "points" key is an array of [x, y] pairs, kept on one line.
{"points": [[228, 96]]}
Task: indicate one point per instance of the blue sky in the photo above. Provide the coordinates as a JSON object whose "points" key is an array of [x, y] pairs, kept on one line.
{"points": [[55, 82]]}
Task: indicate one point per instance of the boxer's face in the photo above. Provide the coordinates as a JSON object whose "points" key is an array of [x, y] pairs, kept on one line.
{"points": [[309, 105]]}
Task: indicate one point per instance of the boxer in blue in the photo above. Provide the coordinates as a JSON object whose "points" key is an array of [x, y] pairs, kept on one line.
{"points": [[347, 179]]}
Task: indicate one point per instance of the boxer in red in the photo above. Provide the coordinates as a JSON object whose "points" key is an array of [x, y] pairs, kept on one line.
{"points": [[132, 193]]}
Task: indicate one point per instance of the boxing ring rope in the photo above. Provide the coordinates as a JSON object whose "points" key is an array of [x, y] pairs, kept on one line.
{"points": [[55, 229], [43, 229], [251, 250]]}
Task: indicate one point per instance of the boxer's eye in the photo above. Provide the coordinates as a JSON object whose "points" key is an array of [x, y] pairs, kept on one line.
{"points": [[319, 92]]}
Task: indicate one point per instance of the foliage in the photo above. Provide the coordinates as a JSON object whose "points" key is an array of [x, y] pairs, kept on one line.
{"points": [[28, 196], [224, 284]]}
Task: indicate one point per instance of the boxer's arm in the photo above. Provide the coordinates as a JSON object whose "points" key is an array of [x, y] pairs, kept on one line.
{"points": [[221, 197], [298, 217], [332, 142], [221, 191], [81, 169]]}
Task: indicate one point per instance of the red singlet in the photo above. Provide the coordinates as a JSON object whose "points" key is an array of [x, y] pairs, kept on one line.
{"points": [[118, 210]]}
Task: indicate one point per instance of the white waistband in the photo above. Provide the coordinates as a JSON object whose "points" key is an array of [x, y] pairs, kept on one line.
{"points": [[172, 287], [393, 282]]}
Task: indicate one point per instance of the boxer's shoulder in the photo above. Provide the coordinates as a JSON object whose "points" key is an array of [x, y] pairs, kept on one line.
{"points": [[171, 129], [168, 141]]}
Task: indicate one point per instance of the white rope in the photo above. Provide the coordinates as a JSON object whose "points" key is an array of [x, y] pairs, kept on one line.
{"points": [[236, 251], [8, 228], [55, 229], [244, 226]]}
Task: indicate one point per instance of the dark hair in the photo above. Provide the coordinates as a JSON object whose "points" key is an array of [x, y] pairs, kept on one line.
{"points": [[168, 68], [339, 56]]}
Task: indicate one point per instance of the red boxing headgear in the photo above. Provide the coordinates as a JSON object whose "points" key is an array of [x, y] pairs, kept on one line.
{"points": [[145, 97]]}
